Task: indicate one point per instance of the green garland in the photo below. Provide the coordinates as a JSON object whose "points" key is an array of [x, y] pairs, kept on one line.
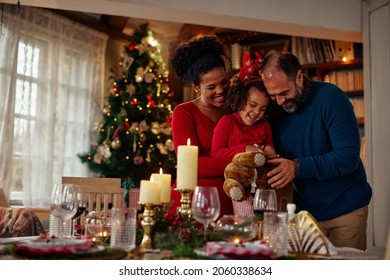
{"points": [[178, 233]]}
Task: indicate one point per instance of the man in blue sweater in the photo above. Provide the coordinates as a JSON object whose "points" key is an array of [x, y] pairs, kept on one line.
{"points": [[318, 137]]}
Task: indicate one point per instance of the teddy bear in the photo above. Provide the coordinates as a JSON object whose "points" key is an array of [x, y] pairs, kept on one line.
{"points": [[246, 171]]}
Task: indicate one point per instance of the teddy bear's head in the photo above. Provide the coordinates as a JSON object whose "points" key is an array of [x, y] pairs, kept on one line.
{"points": [[246, 168]]}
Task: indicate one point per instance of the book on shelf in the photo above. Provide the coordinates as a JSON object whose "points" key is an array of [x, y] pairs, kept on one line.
{"points": [[347, 80], [312, 50]]}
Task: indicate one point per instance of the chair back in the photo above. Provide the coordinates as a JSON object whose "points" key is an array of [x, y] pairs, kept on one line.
{"points": [[100, 194], [3, 198]]}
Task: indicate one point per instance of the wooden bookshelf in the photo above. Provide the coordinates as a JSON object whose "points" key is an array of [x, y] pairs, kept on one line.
{"points": [[321, 59]]}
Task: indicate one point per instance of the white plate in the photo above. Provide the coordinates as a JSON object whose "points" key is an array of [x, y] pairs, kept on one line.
{"points": [[13, 240], [55, 242]]}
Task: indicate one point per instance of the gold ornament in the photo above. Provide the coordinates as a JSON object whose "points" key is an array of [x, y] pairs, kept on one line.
{"points": [[124, 112], [116, 144], [106, 110]]}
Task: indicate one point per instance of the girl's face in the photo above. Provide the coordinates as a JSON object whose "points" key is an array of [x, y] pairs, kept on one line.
{"points": [[255, 106], [213, 87]]}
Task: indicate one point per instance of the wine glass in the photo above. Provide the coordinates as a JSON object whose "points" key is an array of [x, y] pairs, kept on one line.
{"points": [[63, 205], [265, 207], [205, 206], [264, 201], [81, 205]]}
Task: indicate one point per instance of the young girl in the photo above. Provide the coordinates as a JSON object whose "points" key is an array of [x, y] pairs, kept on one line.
{"points": [[245, 127]]}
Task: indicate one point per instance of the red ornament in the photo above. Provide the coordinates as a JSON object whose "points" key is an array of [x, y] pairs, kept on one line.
{"points": [[132, 47], [151, 102], [138, 160], [134, 102]]}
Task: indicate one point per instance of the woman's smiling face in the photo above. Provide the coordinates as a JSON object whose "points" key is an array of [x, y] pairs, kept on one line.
{"points": [[213, 87]]}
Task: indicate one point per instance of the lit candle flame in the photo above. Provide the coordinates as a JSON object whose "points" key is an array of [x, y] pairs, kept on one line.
{"points": [[161, 172], [188, 142]]}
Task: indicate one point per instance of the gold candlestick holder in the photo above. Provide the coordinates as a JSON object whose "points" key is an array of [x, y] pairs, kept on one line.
{"points": [[147, 225], [185, 201]]}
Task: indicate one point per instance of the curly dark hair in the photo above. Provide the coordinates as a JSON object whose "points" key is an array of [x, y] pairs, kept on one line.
{"points": [[237, 95], [194, 58]]}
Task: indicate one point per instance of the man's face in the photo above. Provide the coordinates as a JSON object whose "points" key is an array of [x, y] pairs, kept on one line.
{"points": [[284, 91]]}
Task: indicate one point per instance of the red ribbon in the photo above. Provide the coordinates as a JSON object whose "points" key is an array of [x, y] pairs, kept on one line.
{"points": [[249, 67], [151, 102], [124, 125]]}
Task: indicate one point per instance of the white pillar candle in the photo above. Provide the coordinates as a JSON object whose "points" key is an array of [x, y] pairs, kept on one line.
{"points": [[149, 192], [165, 181], [187, 166]]}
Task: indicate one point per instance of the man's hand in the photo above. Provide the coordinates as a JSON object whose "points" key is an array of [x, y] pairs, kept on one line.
{"points": [[282, 174]]}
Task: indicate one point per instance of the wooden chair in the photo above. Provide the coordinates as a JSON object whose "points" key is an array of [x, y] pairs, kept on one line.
{"points": [[3, 198], [100, 194], [285, 196]]}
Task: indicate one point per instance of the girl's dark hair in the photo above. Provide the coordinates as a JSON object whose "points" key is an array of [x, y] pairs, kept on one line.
{"points": [[194, 58], [238, 94]]}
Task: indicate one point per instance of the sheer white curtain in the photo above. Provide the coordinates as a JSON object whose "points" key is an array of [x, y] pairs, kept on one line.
{"points": [[52, 86]]}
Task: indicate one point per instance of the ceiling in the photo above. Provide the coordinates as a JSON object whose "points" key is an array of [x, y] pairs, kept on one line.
{"points": [[124, 27]]}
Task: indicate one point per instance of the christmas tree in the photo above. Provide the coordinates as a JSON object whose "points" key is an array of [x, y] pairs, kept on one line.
{"points": [[134, 137]]}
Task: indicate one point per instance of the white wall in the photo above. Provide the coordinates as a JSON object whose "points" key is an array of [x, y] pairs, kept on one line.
{"points": [[330, 19]]}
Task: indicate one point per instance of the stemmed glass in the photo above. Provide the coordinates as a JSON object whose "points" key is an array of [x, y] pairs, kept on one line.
{"points": [[63, 205], [81, 205], [264, 201], [205, 206], [265, 207]]}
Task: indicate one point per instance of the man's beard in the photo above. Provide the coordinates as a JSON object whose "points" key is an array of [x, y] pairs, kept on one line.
{"points": [[300, 97]]}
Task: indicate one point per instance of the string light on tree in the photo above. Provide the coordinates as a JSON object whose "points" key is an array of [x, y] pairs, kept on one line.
{"points": [[134, 137]]}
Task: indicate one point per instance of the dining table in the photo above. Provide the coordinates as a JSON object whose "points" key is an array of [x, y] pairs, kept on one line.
{"points": [[22, 237], [81, 248]]}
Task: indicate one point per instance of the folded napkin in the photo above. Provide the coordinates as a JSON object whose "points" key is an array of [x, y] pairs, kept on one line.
{"points": [[15, 222], [246, 250], [306, 236], [54, 246]]}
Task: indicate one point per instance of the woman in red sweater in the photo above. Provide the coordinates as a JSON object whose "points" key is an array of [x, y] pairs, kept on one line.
{"points": [[203, 62]]}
